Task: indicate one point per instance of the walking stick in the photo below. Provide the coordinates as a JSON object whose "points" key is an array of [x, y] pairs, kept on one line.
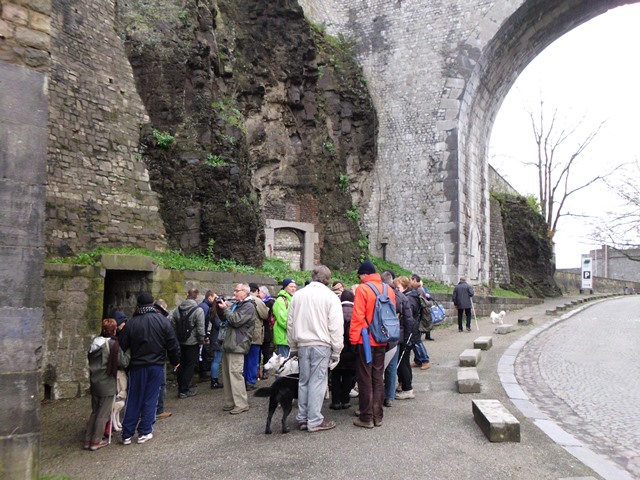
{"points": [[404, 349], [474, 314], [113, 402]]}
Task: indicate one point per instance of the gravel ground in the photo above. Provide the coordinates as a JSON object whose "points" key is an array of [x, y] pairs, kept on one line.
{"points": [[433, 436]]}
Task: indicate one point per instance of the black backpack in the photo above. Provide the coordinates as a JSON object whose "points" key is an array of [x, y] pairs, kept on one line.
{"points": [[183, 326]]}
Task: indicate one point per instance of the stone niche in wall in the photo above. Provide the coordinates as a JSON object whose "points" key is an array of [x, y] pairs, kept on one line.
{"points": [[294, 242]]}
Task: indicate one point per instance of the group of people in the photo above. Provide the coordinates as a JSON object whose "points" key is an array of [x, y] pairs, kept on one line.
{"points": [[320, 324]]}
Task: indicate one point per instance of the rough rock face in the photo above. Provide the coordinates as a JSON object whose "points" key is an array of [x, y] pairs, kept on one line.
{"points": [[529, 248], [266, 117]]}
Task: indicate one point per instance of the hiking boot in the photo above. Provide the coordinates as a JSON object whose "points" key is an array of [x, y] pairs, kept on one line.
{"points": [[162, 415], [325, 425], [425, 366], [377, 423], [215, 384], [250, 386], [416, 365], [187, 394], [407, 395], [335, 406], [302, 425], [468, 329], [228, 408], [145, 438], [344, 406], [387, 403], [238, 410], [359, 423], [98, 446]]}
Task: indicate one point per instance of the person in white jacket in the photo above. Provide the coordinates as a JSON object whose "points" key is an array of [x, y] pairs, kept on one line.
{"points": [[315, 334]]}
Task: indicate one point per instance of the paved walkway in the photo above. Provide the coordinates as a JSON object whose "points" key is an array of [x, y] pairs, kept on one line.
{"points": [[433, 436], [581, 373]]}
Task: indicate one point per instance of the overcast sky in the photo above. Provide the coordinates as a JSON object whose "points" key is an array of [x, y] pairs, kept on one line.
{"points": [[590, 74]]}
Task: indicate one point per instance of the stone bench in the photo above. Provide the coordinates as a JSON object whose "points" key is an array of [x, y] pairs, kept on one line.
{"points": [[525, 321], [551, 312], [468, 380], [496, 422], [504, 329], [470, 357], [483, 343]]}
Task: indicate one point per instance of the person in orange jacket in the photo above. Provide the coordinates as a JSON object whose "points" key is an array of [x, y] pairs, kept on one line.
{"points": [[370, 375]]}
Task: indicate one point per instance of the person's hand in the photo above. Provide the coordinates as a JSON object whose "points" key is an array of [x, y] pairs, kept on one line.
{"points": [[206, 340], [293, 354], [333, 361]]}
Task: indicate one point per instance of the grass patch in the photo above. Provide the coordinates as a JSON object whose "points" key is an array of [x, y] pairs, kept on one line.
{"points": [[502, 293]]}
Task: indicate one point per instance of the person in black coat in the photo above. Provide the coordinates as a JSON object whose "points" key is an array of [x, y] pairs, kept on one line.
{"points": [[342, 376]]}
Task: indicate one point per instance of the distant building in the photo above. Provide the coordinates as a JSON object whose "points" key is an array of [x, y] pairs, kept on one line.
{"points": [[612, 263]]}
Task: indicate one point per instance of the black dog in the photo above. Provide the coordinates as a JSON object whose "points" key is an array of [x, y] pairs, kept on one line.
{"points": [[282, 391]]}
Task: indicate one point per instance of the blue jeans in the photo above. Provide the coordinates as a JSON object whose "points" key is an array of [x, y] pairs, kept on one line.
{"points": [[314, 366], [251, 363], [215, 364], [283, 350], [162, 392], [420, 352], [391, 377], [142, 400]]}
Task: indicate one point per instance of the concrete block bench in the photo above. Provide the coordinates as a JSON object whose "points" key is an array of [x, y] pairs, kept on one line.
{"points": [[525, 321], [470, 357], [504, 329], [496, 422], [483, 343], [468, 380], [551, 311]]}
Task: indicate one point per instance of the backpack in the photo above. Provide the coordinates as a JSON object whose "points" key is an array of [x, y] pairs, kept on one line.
{"points": [[426, 320], [384, 326], [272, 318], [183, 328]]}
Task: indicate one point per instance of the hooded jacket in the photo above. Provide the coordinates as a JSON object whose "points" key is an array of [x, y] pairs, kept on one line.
{"points": [[240, 320], [103, 385], [363, 308], [280, 312], [196, 321], [462, 294]]}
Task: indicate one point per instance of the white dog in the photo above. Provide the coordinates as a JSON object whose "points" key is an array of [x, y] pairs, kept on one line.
{"points": [[285, 366], [497, 317], [282, 366], [118, 404]]}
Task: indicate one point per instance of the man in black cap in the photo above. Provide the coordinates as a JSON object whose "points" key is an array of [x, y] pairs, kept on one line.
{"points": [[148, 337]]}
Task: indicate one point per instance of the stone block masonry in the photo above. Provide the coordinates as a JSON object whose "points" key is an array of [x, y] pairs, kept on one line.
{"points": [[25, 27], [495, 421], [98, 190]]}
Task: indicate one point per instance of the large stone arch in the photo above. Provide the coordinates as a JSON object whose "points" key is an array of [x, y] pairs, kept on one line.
{"points": [[438, 72]]}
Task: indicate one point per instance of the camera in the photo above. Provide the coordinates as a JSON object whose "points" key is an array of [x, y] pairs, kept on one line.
{"points": [[221, 299]]}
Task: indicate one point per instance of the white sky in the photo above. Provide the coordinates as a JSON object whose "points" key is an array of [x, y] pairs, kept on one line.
{"points": [[592, 72]]}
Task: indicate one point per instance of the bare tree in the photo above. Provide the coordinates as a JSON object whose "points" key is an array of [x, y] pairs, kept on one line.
{"points": [[621, 228], [556, 179]]}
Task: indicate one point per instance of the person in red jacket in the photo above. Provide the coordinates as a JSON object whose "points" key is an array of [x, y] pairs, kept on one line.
{"points": [[370, 375]]}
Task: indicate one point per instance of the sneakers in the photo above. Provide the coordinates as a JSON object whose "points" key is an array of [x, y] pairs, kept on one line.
{"points": [[145, 438], [250, 386], [126, 441], [359, 423], [325, 425], [227, 408], [405, 395], [187, 394], [98, 446], [425, 366], [354, 392], [387, 403], [302, 425], [237, 410], [468, 329], [416, 365], [215, 384], [377, 423]]}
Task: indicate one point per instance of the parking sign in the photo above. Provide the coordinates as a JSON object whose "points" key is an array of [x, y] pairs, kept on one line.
{"points": [[587, 282]]}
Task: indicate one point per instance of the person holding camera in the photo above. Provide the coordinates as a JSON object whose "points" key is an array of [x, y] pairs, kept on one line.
{"points": [[239, 322]]}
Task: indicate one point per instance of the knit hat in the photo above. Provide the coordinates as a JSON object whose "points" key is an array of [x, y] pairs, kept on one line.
{"points": [[119, 317], [253, 287], [286, 282], [145, 299], [367, 268]]}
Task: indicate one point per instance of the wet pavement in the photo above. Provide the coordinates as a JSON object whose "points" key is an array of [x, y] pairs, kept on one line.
{"points": [[433, 436]]}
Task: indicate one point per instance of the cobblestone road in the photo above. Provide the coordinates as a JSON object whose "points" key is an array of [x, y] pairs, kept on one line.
{"points": [[584, 373]]}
